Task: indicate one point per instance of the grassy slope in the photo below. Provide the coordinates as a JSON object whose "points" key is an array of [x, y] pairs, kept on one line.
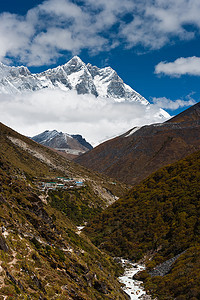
{"points": [[97, 194], [41, 255], [160, 218]]}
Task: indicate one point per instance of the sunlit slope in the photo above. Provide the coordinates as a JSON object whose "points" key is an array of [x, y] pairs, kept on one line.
{"points": [[42, 255], [35, 162]]}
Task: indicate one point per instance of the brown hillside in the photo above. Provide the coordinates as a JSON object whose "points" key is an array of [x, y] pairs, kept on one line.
{"points": [[132, 157], [34, 161], [189, 115], [43, 255]]}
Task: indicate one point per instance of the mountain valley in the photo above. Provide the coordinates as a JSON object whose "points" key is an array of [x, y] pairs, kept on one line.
{"points": [[67, 222], [158, 221], [100, 150]]}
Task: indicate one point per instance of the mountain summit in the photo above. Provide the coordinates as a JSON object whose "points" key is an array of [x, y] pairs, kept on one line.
{"points": [[70, 144], [74, 75]]}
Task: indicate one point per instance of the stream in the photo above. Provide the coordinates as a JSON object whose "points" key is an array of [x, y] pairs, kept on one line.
{"points": [[132, 287]]}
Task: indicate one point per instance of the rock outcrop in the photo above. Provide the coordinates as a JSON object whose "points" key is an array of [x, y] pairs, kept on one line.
{"points": [[164, 268]]}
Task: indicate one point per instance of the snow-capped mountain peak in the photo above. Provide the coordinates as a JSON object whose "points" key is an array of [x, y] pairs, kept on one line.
{"points": [[13, 71], [70, 144], [74, 65], [46, 136], [73, 75]]}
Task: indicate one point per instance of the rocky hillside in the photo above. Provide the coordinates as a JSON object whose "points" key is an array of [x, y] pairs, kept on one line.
{"points": [[156, 221], [134, 155], [43, 255], [72, 145], [37, 161]]}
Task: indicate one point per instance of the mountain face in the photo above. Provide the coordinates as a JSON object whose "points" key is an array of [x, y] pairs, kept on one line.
{"points": [[70, 144], [134, 155], [74, 75], [43, 255]]}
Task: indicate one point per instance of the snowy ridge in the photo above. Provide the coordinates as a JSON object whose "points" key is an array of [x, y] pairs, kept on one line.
{"points": [[64, 142], [132, 131], [74, 75], [46, 136]]}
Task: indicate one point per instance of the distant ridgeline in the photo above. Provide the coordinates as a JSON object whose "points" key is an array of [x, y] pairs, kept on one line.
{"points": [[159, 218], [70, 145], [134, 155]]}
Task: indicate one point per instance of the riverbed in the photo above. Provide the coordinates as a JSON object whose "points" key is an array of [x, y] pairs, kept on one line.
{"points": [[132, 287]]}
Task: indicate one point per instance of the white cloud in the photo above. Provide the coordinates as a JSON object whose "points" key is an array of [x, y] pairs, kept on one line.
{"points": [[41, 36], [156, 23], [173, 104], [95, 118], [15, 34], [181, 66]]}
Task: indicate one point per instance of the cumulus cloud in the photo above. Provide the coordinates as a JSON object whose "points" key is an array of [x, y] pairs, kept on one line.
{"points": [[181, 66], [95, 118], [173, 104], [15, 34], [156, 23], [59, 25], [56, 26]]}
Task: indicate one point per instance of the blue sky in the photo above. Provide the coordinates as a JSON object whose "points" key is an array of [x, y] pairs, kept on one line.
{"points": [[152, 44]]}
